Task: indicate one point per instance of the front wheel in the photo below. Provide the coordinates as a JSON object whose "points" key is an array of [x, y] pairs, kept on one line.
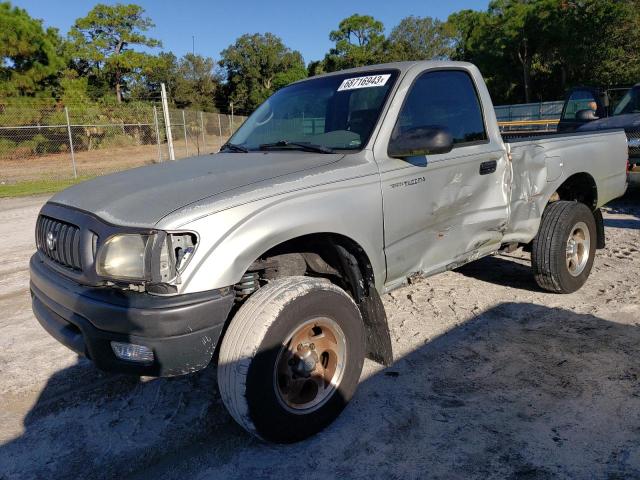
{"points": [[291, 358], [563, 250]]}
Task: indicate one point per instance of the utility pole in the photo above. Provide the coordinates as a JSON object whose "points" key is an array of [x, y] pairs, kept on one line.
{"points": [[231, 129], [193, 45], [167, 121]]}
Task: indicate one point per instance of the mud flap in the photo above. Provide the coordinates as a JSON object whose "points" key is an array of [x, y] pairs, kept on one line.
{"points": [[376, 328], [597, 215], [371, 308]]}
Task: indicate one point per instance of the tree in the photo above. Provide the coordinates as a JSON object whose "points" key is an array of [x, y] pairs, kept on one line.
{"points": [[474, 42], [516, 26], [416, 38], [578, 53], [29, 56], [161, 68], [359, 40], [104, 40], [196, 83], [552, 44], [257, 65]]}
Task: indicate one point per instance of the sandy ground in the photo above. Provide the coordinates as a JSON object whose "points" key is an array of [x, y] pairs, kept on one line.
{"points": [[493, 379]]}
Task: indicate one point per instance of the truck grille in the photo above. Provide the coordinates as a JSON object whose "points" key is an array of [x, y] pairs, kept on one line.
{"points": [[59, 241]]}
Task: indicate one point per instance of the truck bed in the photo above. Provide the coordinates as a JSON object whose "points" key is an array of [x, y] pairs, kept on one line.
{"points": [[540, 164]]}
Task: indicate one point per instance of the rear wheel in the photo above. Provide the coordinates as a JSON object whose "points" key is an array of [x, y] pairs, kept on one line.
{"points": [[291, 358], [563, 250]]}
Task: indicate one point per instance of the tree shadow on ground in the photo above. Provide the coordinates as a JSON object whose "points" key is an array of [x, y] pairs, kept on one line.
{"points": [[519, 391]]}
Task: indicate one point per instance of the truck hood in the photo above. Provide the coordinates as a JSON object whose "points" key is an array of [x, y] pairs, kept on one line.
{"points": [[628, 121], [143, 196]]}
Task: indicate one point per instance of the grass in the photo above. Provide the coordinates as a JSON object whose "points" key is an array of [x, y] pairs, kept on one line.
{"points": [[36, 187]]}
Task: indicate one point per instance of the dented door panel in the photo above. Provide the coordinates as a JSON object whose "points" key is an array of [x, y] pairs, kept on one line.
{"points": [[440, 211]]}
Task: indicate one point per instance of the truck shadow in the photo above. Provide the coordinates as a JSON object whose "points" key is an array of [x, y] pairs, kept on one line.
{"points": [[502, 270], [518, 391]]}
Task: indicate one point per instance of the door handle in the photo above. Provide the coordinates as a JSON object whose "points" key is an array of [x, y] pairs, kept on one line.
{"points": [[488, 167]]}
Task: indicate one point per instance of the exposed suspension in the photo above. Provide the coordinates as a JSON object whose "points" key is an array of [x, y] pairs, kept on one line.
{"points": [[248, 284]]}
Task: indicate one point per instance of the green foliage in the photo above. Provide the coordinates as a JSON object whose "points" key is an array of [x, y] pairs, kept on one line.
{"points": [[359, 40], [103, 42], [37, 187], [416, 38], [28, 52], [527, 49], [255, 66], [536, 49]]}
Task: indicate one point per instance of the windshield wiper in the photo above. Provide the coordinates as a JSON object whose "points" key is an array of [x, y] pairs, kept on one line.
{"points": [[309, 147], [234, 148]]}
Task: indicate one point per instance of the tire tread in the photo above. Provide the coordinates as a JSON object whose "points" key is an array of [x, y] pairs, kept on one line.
{"points": [[245, 333]]}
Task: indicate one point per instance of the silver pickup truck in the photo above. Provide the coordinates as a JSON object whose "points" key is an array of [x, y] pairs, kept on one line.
{"points": [[270, 257]]}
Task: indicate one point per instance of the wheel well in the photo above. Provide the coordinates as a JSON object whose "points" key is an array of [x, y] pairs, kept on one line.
{"points": [[580, 187], [327, 255], [338, 259]]}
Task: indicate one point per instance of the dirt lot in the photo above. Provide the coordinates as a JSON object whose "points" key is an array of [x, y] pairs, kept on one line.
{"points": [[493, 379], [95, 162]]}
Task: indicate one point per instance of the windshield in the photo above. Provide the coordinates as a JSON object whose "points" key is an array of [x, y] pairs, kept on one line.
{"points": [[630, 103], [336, 112]]}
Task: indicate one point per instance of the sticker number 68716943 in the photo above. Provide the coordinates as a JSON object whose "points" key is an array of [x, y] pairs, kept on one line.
{"points": [[363, 82]]}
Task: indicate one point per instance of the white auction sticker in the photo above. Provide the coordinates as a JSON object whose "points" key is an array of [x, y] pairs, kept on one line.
{"points": [[364, 82]]}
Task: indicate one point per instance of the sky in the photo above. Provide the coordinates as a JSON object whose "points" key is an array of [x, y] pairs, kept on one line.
{"points": [[215, 24]]}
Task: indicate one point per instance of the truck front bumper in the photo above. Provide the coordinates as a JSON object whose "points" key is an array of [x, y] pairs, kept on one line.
{"points": [[182, 330]]}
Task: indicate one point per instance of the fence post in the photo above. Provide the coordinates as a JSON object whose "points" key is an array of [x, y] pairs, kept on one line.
{"points": [[184, 125], [73, 155], [167, 121], [155, 121], [204, 145], [219, 133]]}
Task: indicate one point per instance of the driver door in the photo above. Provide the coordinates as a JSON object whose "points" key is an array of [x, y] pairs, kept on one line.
{"points": [[446, 209]]}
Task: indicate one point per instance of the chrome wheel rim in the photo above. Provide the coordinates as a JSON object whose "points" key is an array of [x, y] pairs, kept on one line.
{"points": [[578, 249], [310, 365]]}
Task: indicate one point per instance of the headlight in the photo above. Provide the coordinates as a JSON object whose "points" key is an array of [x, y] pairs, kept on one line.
{"points": [[123, 257], [157, 257]]}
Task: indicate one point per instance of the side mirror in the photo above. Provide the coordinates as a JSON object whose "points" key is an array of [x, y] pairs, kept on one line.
{"points": [[428, 140], [586, 115]]}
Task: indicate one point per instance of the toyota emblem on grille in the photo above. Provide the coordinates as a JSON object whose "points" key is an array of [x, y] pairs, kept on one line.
{"points": [[51, 241]]}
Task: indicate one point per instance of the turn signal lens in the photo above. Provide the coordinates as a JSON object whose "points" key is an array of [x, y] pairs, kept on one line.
{"points": [[132, 352]]}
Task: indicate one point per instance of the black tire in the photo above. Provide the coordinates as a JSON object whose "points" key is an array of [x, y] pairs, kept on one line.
{"points": [[549, 249], [252, 348]]}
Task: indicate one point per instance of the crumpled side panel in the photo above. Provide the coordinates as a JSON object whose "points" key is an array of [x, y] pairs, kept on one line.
{"points": [[529, 167]]}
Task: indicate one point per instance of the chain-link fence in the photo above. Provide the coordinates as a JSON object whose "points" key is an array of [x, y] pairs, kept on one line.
{"points": [[41, 141]]}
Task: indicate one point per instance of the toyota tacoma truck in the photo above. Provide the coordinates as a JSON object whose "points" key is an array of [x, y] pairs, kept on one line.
{"points": [[269, 258]]}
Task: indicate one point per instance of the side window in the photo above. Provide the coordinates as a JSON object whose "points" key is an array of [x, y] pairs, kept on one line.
{"points": [[579, 100], [445, 98]]}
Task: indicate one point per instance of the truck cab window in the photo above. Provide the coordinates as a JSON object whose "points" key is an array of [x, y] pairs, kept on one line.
{"points": [[446, 99], [579, 100], [630, 103], [334, 111]]}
